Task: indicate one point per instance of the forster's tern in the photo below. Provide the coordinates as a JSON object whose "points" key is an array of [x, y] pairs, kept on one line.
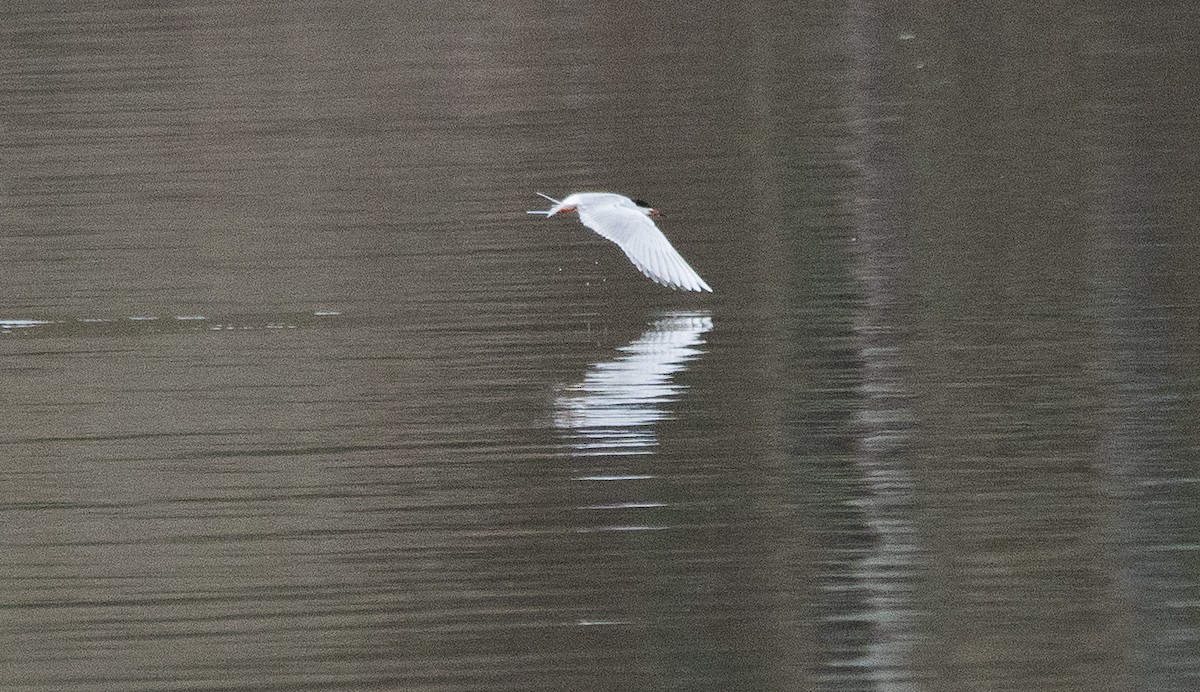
{"points": [[627, 223]]}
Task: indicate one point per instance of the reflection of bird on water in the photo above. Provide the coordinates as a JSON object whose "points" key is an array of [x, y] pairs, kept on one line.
{"points": [[614, 408], [627, 223]]}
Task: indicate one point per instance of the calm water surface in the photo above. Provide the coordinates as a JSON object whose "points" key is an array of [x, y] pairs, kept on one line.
{"points": [[295, 395]]}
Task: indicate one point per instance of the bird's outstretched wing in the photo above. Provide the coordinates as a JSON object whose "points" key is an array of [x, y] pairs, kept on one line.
{"points": [[643, 243]]}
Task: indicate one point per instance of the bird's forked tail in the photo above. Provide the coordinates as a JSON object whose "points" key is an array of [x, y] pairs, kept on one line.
{"points": [[547, 212]]}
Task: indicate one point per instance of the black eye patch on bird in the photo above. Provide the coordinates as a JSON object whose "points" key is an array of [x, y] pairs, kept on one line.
{"points": [[641, 203]]}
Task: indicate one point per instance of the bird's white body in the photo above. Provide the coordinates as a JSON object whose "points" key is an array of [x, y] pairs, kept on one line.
{"points": [[628, 224]]}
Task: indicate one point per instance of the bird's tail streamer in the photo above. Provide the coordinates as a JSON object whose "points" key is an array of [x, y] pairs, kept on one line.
{"points": [[545, 212]]}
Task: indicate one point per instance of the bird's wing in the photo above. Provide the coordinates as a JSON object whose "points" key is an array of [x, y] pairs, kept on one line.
{"points": [[643, 243]]}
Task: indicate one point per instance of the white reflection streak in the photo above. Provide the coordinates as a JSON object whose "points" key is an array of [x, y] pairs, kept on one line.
{"points": [[885, 572], [7, 324], [612, 413], [614, 409]]}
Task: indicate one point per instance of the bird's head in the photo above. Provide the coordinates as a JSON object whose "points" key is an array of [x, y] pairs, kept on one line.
{"points": [[644, 207]]}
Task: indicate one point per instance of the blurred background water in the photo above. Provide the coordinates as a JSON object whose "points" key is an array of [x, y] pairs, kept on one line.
{"points": [[295, 395]]}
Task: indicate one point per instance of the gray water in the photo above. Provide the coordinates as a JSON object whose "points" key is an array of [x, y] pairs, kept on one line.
{"points": [[296, 396]]}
